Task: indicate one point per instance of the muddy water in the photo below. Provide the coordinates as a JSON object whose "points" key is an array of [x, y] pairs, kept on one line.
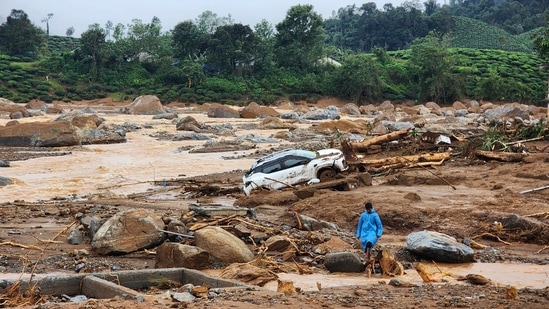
{"points": [[119, 169], [502, 274]]}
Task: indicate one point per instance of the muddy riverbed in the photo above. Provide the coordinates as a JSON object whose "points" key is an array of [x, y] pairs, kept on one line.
{"points": [[53, 186]]}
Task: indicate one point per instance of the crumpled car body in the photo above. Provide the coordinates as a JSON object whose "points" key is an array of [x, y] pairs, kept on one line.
{"points": [[293, 166]]}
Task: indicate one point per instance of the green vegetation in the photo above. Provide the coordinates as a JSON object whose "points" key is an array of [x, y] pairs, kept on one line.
{"points": [[471, 33], [437, 54]]}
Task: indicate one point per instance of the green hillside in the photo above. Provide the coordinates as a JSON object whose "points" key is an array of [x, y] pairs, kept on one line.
{"points": [[471, 33], [58, 45]]}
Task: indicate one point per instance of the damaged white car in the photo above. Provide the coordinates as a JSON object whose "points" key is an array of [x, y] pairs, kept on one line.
{"points": [[294, 166]]}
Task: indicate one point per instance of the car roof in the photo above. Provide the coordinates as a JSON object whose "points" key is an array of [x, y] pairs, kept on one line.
{"points": [[282, 153]]}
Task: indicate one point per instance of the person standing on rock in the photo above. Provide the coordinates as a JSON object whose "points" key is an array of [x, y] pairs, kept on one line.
{"points": [[369, 229]]}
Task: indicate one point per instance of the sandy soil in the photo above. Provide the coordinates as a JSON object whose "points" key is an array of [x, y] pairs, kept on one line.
{"points": [[159, 174]]}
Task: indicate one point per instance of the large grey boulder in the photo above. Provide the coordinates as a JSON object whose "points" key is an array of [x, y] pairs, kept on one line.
{"points": [[331, 112], [439, 247], [171, 254], [104, 134], [507, 111], [223, 245], [347, 262], [129, 231]]}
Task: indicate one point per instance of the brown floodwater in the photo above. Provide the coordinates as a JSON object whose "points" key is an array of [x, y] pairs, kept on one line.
{"points": [[521, 275], [119, 169]]}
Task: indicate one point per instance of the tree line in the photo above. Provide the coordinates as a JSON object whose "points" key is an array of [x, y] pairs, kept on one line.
{"points": [[358, 54]]}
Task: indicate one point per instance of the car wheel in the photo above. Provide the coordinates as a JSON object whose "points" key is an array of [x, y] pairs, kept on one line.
{"points": [[326, 175]]}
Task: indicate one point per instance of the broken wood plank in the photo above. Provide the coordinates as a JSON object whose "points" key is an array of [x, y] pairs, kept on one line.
{"points": [[363, 146], [201, 225], [501, 156], [422, 158], [309, 190]]}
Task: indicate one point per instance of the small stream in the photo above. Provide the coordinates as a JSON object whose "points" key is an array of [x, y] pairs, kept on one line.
{"points": [[518, 275]]}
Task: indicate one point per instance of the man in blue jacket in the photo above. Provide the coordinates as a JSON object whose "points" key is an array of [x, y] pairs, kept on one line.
{"points": [[369, 229]]}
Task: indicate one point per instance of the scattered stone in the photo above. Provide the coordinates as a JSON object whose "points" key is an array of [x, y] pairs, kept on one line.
{"points": [[75, 237], [400, 283], [179, 255]]}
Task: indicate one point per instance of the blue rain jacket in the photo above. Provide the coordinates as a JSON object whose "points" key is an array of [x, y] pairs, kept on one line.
{"points": [[369, 228]]}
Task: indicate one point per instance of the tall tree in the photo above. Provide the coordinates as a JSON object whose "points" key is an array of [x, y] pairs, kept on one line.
{"points": [[47, 21], [92, 44], [358, 79], [431, 69], [232, 47], [300, 38], [264, 56], [188, 40], [18, 36], [145, 40], [208, 21], [69, 32]]}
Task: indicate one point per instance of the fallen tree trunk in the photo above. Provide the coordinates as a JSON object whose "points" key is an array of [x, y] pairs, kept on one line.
{"points": [[416, 159], [363, 146], [501, 156]]}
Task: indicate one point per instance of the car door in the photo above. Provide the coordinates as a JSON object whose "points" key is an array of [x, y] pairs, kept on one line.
{"points": [[296, 169]]}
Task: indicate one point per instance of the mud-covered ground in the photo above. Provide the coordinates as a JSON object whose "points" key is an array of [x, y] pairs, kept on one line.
{"points": [[463, 198]]}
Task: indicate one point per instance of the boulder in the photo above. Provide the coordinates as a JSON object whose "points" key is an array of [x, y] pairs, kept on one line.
{"points": [[188, 123], [439, 247], [171, 254], [104, 134], [273, 123], [331, 112], [223, 111], [168, 116], [386, 106], [351, 109], [507, 111], [278, 243], [176, 226], [312, 224], [39, 134], [129, 231], [81, 120], [11, 108], [145, 105], [4, 181], [223, 245], [254, 110], [347, 262]]}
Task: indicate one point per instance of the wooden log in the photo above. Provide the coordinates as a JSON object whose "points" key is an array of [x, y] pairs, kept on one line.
{"points": [[501, 156], [363, 146], [428, 157]]}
